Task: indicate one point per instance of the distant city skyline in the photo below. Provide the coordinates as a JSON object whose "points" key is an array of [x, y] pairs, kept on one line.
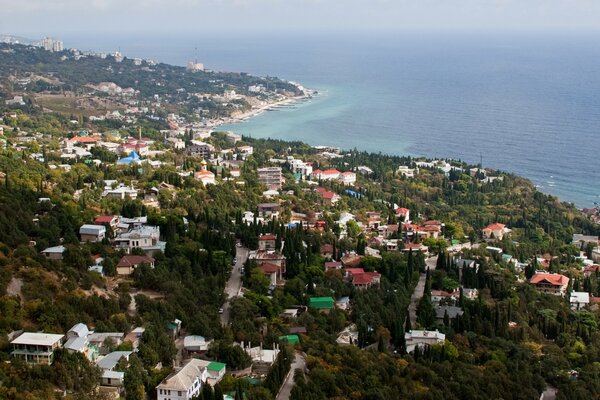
{"points": [[40, 18]]}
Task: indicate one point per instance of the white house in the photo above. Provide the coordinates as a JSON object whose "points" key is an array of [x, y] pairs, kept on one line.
{"points": [[348, 178], [36, 348], [183, 383], [92, 233], [422, 339], [579, 300]]}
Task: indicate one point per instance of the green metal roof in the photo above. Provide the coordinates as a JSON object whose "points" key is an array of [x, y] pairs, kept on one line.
{"points": [[291, 339], [321, 303], [216, 366]]}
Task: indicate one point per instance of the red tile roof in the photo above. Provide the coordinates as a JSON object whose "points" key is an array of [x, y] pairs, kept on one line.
{"points": [[269, 268], [553, 279], [494, 227], [104, 219], [267, 237]]}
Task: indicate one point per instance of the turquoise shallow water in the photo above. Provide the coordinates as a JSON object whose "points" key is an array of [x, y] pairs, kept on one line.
{"points": [[529, 104]]}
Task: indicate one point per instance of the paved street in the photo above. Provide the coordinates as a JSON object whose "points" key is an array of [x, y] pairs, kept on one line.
{"points": [[234, 284], [288, 384], [419, 289]]}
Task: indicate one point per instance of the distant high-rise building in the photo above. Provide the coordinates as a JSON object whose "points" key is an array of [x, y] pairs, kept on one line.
{"points": [[50, 44], [270, 177]]}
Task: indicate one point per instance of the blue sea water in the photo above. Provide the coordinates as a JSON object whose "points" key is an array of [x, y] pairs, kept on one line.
{"points": [[524, 103]]}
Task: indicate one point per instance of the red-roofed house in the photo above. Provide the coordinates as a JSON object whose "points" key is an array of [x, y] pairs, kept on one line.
{"points": [[329, 198], [267, 242], [415, 247], [366, 280], [495, 231], [327, 175], [403, 214], [273, 271], [347, 178], [555, 284], [111, 220], [327, 250]]}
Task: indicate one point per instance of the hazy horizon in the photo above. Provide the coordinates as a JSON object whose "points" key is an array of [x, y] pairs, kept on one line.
{"points": [[40, 18]]}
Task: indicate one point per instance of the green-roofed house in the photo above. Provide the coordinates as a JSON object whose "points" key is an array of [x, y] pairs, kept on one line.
{"points": [[216, 372], [291, 339], [322, 304]]}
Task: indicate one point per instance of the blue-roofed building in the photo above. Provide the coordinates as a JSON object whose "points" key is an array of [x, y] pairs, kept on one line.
{"points": [[133, 158]]}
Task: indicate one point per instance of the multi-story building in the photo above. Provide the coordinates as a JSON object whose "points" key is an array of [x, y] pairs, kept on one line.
{"points": [[36, 348], [183, 383], [270, 177]]}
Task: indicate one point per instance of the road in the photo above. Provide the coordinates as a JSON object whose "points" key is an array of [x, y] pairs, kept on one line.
{"points": [[419, 289], [288, 384], [234, 283]]}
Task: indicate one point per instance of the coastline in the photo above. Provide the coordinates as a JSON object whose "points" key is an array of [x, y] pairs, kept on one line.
{"points": [[255, 111]]}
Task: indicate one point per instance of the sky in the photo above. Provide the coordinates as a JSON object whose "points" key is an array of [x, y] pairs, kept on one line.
{"points": [[37, 18]]}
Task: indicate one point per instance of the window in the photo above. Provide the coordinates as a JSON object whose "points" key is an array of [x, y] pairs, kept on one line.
{"points": [[179, 393]]}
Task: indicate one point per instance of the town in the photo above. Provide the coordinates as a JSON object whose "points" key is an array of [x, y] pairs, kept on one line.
{"points": [[170, 260]]}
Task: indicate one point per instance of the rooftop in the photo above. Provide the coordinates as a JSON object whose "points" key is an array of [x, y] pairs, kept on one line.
{"points": [[39, 339]]}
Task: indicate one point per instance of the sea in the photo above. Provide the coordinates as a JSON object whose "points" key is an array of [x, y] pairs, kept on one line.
{"points": [[526, 103]]}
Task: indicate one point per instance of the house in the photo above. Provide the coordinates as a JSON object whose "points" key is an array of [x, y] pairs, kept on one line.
{"points": [[110, 220], [174, 327], [343, 303], [579, 300], [495, 231], [36, 348], [366, 280], [329, 198], [470, 294], [129, 263], [415, 247], [54, 253], [206, 177], [92, 233], [101, 340], [184, 383], [349, 336], [271, 177], [107, 364], [121, 192], [327, 251], [422, 339], [145, 237], [403, 214], [361, 279], [555, 284], [347, 178], [332, 265], [216, 372], [273, 272], [440, 296], [195, 344], [351, 260], [579, 239], [77, 341], [267, 242], [327, 175], [268, 210], [321, 304], [591, 270]]}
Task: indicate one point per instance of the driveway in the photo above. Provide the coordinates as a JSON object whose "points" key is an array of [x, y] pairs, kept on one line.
{"points": [[234, 283], [419, 290], [288, 384]]}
